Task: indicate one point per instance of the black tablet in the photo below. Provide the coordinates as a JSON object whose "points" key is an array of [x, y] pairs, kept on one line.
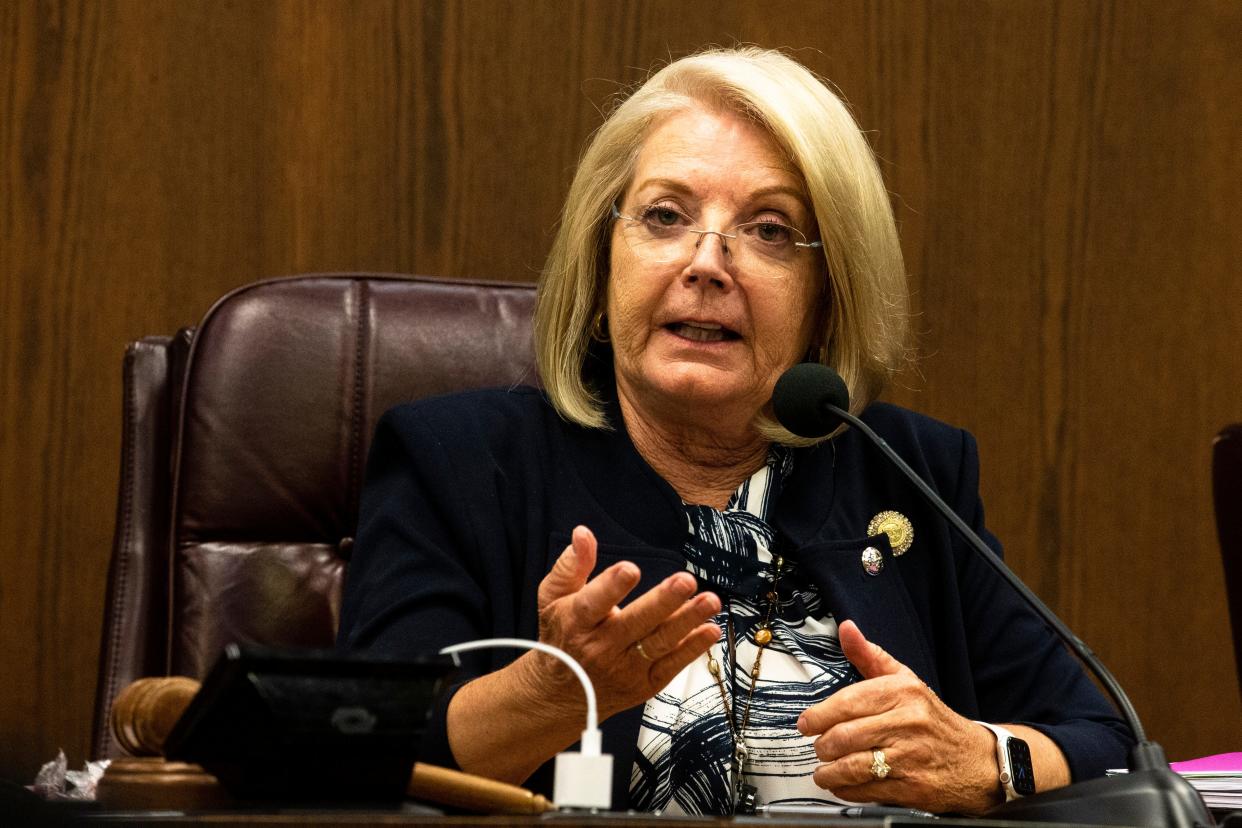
{"points": [[309, 726]]}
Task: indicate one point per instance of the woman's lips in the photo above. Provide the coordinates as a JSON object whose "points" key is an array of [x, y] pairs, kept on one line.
{"points": [[701, 331]]}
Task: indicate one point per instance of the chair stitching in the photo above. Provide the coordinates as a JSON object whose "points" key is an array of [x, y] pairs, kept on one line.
{"points": [[356, 414], [129, 474]]}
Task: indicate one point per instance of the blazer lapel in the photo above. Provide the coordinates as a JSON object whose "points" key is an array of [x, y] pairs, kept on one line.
{"points": [[821, 519], [879, 604]]}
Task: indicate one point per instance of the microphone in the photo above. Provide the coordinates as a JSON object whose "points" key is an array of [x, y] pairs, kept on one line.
{"points": [[811, 400], [807, 397]]}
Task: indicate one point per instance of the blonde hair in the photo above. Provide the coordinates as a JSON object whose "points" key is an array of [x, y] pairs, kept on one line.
{"points": [[862, 331]]}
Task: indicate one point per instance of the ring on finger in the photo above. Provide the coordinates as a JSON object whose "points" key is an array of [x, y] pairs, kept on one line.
{"points": [[879, 767], [638, 645]]}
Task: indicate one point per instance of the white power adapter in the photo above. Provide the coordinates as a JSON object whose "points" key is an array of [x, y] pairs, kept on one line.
{"points": [[582, 779]]}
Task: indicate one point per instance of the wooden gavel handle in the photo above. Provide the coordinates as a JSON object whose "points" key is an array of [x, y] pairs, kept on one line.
{"points": [[146, 711]]}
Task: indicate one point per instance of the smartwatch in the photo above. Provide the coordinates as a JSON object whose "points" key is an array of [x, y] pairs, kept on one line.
{"points": [[1013, 759]]}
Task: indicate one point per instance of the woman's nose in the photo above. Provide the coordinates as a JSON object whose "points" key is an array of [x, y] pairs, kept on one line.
{"points": [[711, 257]]}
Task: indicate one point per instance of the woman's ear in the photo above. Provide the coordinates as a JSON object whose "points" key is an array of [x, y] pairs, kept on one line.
{"points": [[599, 325]]}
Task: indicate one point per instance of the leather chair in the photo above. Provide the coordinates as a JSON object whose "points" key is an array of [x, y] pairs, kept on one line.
{"points": [[244, 447], [1227, 494]]}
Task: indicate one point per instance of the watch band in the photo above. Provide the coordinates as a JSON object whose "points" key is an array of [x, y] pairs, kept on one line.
{"points": [[1013, 761]]}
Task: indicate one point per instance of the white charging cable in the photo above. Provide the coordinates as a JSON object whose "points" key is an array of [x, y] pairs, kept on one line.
{"points": [[582, 780]]}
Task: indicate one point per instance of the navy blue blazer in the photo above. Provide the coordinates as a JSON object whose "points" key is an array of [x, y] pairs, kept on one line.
{"points": [[470, 498]]}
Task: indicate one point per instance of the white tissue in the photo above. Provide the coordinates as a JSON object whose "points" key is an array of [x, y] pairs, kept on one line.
{"points": [[55, 781]]}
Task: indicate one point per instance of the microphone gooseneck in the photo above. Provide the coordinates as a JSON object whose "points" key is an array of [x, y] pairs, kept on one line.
{"points": [[811, 400]]}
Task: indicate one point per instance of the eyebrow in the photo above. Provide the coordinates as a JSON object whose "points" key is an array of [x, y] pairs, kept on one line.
{"points": [[668, 183], [797, 194], [774, 189], [778, 189]]}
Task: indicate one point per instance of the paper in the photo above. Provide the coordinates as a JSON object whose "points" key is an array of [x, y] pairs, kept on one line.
{"points": [[1221, 763], [1218, 779]]}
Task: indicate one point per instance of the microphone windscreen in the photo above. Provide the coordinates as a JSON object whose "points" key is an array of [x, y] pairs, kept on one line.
{"points": [[801, 396]]}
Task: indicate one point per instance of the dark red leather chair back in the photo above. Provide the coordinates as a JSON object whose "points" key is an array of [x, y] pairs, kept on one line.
{"points": [[244, 447], [1227, 494]]}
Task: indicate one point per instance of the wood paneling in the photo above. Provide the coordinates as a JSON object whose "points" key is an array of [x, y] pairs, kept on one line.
{"points": [[1064, 173]]}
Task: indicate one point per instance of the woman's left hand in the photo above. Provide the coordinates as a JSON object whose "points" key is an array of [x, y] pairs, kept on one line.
{"points": [[938, 760]]}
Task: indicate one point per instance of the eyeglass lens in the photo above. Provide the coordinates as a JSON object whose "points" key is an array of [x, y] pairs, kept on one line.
{"points": [[663, 235]]}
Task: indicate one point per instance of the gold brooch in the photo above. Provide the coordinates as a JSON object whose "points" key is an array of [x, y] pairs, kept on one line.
{"points": [[897, 526]]}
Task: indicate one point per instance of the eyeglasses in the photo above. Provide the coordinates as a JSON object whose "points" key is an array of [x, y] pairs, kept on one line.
{"points": [[661, 234]]}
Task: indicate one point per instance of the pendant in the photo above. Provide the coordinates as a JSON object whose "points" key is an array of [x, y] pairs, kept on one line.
{"points": [[747, 800], [739, 762], [745, 796]]}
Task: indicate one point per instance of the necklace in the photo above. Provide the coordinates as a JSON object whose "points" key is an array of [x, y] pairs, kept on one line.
{"points": [[745, 796]]}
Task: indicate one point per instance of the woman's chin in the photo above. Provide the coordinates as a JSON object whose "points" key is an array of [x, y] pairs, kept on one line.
{"points": [[697, 387]]}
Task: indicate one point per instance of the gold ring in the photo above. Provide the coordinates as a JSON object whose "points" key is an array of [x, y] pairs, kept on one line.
{"points": [[638, 645], [879, 768]]}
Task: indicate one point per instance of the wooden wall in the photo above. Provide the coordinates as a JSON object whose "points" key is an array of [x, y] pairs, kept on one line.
{"points": [[1065, 174]]}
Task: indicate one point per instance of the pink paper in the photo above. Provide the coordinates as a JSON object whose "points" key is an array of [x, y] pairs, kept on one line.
{"points": [[1220, 763]]}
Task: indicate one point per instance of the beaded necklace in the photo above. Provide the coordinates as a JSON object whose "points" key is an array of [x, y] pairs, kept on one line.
{"points": [[745, 795]]}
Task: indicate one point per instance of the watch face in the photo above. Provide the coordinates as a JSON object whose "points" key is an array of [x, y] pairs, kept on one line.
{"points": [[1020, 764]]}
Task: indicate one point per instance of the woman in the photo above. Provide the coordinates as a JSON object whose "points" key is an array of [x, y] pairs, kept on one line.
{"points": [[764, 617]]}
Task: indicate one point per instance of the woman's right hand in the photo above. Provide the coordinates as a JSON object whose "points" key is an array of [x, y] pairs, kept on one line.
{"points": [[631, 653], [537, 701]]}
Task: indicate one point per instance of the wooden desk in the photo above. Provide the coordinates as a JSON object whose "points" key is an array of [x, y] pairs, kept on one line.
{"points": [[179, 795], [364, 818]]}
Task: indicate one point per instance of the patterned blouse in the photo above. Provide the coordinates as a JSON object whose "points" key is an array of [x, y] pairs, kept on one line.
{"points": [[685, 758]]}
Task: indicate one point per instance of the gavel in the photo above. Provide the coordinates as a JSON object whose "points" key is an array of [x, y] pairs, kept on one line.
{"points": [[146, 711]]}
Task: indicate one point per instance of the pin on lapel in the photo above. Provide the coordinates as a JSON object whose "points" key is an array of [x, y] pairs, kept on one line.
{"points": [[897, 526], [872, 561]]}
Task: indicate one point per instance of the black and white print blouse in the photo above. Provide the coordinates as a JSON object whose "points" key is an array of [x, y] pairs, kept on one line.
{"points": [[685, 745]]}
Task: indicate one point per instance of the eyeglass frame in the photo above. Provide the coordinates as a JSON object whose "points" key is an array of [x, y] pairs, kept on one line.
{"points": [[700, 232]]}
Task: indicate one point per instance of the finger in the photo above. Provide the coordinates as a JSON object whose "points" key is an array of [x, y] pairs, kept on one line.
{"points": [[569, 572], [870, 659], [692, 646], [597, 602], [865, 698], [859, 735], [651, 609], [850, 777], [683, 620]]}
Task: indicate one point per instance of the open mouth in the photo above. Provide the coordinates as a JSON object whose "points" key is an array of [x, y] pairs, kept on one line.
{"points": [[702, 331]]}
